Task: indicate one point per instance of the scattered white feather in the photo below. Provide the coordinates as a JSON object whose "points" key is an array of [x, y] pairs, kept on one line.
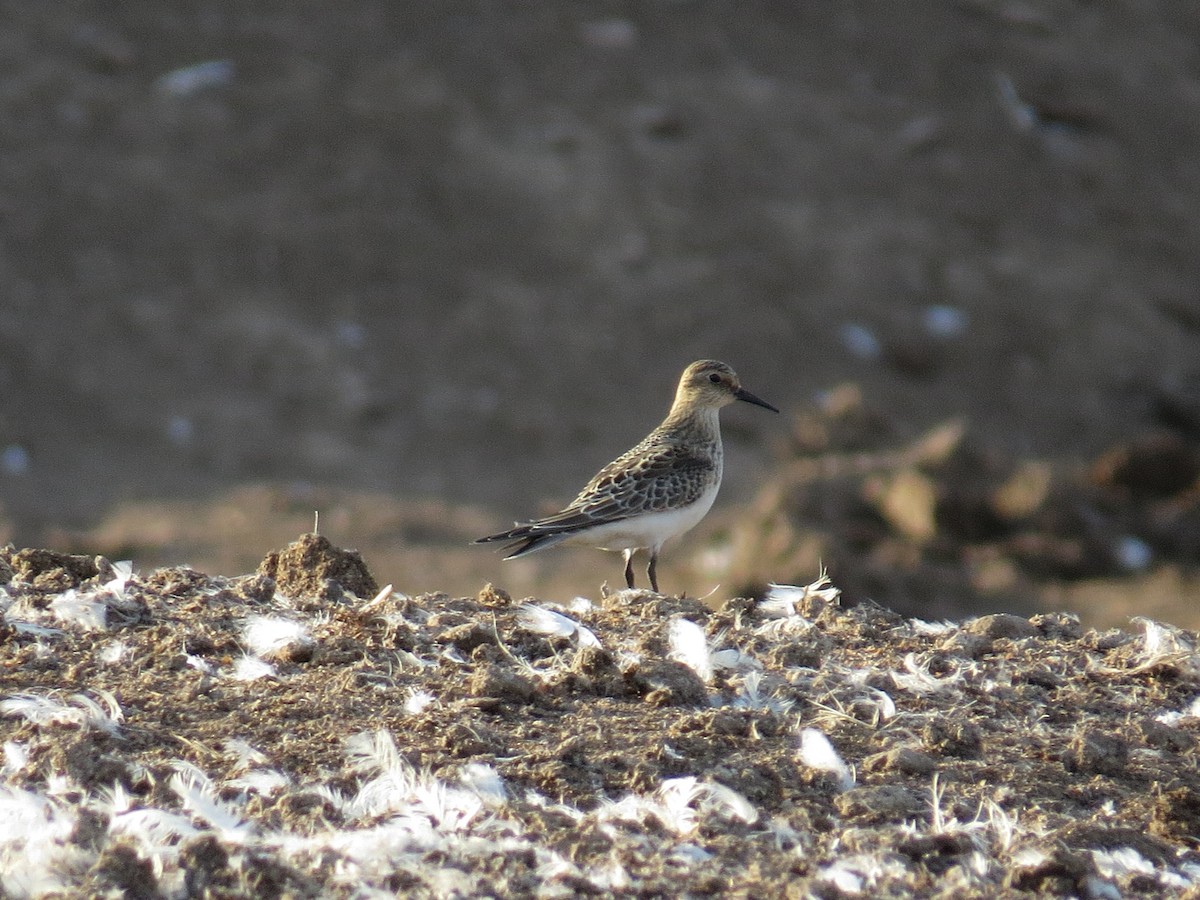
{"points": [[37, 857], [579, 606], [485, 782], [919, 680], [931, 629], [379, 598], [41, 631], [689, 854], [397, 788], [858, 873], [79, 709], [1097, 889], [112, 652], [1188, 876], [611, 877], [673, 803], [680, 804], [152, 828], [1029, 857], [265, 635], [1174, 717], [751, 695], [1121, 862], [1164, 645], [884, 705], [199, 663], [198, 795], [731, 657], [690, 647], [723, 799], [251, 668], [540, 620], [122, 572], [16, 755], [818, 753], [244, 755], [260, 781], [82, 610], [418, 701], [782, 599], [451, 654]]}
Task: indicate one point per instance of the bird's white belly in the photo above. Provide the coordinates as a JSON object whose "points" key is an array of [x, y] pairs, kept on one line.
{"points": [[649, 530]]}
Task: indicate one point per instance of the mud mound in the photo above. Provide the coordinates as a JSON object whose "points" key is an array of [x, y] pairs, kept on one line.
{"points": [[232, 740], [311, 566], [944, 522]]}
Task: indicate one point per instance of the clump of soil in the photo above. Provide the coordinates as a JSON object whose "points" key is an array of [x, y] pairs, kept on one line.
{"points": [[251, 742], [312, 567], [45, 570]]}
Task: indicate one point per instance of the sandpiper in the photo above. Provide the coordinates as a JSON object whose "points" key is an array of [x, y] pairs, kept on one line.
{"points": [[659, 489]]}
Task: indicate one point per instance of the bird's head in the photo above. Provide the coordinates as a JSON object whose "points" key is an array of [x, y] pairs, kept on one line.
{"points": [[709, 384]]}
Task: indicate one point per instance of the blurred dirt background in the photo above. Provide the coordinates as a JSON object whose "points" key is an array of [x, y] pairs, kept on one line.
{"points": [[425, 267]]}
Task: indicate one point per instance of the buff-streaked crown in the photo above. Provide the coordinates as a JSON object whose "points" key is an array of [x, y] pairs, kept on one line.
{"points": [[710, 384]]}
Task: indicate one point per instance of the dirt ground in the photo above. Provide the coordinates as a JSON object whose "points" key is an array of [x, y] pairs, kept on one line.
{"points": [[298, 732], [423, 270]]}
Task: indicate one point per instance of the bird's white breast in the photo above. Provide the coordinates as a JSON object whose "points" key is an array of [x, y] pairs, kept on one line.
{"points": [[648, 530]]}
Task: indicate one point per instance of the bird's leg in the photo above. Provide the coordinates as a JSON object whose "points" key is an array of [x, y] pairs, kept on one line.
{"points": [[651, 570], [629, 568]]}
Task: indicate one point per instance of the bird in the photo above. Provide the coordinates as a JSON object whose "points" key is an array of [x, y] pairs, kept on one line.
{"points": [[653, 492]]}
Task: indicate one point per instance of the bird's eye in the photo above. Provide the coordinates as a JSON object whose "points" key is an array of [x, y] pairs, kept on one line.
{"points": [[714, 378]]}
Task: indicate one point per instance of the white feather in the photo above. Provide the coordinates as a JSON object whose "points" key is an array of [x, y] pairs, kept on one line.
{"points": [[82, 610], [690, 647], [540, 620], [251, 668], [16, 755], [919, 680], [1173, 717], [782, 599], [260, 781], [931, 629], [818, 753], [199, 797], [110, 654], [122, 572], [82, 710], [265, 635], [418, 701], [485, 782], [244, 755]]}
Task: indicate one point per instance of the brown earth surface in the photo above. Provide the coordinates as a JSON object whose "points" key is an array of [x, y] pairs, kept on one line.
{"points": [[425, 268], [174, 734]]}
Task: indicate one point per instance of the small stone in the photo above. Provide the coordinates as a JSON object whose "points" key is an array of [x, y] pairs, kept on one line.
{"points": [[907, 760], [502, 684], [1002, 625], [1094, 752], [954, 737], [873, 804], [669, 683], [468, 636]]}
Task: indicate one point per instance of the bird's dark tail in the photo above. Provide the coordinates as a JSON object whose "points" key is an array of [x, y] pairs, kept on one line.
{"points": [[522, 540]]}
